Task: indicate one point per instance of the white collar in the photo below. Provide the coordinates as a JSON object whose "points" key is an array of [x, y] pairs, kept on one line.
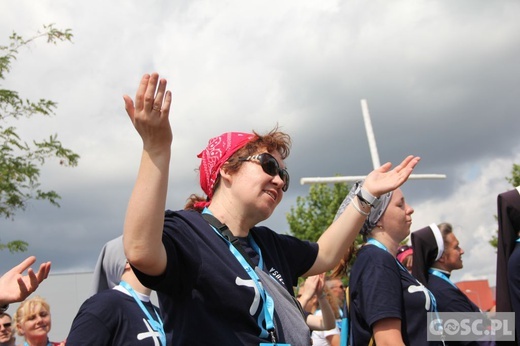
{"points": [[442, 271], [143, 297]]}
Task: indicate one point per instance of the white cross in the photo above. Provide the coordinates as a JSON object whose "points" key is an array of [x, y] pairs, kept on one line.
{"points": [[424, 290], [150, 334], [256, 301], [373, 153]]}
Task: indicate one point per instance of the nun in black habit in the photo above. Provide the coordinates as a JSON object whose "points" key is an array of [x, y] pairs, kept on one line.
{"points": [[432, 266]]}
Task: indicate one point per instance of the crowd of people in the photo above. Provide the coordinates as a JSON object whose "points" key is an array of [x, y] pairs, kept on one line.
{"points": [[223, 280]]}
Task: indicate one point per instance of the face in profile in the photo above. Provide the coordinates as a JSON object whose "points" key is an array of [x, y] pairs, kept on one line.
{"points": [[337, 288], [452, 255], [397, 218]]}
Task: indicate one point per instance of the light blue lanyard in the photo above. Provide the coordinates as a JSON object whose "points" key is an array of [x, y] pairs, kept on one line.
{"points": [[441, 275], [268, 303], [156, 325], [432, 297], [381, 246], [26, 344]]}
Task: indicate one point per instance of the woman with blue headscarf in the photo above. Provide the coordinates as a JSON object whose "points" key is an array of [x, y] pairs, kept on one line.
{"points": [[387, 304]]}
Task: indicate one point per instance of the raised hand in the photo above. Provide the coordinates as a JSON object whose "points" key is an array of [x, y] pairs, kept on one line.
{"points": [[321, 284], [150, 111], [383, 179], [15, 287]]}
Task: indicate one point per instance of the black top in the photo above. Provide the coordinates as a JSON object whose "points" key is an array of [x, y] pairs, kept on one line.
{"points": [[205, 295], [112, 317], [380, 289]]}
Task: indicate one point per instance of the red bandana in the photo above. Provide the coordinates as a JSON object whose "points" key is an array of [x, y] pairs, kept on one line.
{"points": [[217, 152], [404, 254]]}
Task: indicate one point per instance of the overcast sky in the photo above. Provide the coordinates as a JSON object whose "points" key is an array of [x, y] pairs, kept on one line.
{"points": [[442, 81]]}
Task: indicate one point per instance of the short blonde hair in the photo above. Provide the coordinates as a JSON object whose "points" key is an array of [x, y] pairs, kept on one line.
{"points": [[27, 308]]}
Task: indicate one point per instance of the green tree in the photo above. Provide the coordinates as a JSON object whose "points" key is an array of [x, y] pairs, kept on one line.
{"points": [[316, 211], [514, 180], [21, 158]]}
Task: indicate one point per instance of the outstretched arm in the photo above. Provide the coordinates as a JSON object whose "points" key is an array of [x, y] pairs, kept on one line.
{"points": [[327, 314], [15, 287], [145, 213], [336, 240]]}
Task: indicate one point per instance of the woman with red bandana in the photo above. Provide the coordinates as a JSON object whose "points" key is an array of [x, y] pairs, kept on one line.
{"points": [[222, 280]]}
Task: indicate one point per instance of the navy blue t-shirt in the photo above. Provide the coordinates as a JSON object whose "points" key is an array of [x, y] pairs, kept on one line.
{"points": [[451, 299], [380, 289], [205, 295], [112, 317]]}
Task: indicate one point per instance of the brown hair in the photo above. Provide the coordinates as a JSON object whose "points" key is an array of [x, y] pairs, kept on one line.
{"points": [[2, 314], [274, 140], [342, 268]]}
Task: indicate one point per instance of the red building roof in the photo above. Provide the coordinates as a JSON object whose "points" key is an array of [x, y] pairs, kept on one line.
{"points": [[479, 292]]}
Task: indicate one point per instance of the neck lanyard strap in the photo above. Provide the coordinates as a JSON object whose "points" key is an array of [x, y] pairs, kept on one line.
{"points": [[432, 297], [226, 233], [26, 344], [441, 275], [381, 246], [243, 258], [157, 325]]}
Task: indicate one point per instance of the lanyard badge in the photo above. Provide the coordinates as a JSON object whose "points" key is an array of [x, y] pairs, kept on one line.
{"points": [[156, 325]]}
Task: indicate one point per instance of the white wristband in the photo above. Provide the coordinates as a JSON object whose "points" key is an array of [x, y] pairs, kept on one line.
{"points": [[364, 213]]}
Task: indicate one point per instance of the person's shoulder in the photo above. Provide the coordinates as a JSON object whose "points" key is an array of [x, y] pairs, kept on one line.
{"points": [[185, 213], [266, 232], [105, 299], [370, 255], [373, 253], [436, 284], [184, 221]]}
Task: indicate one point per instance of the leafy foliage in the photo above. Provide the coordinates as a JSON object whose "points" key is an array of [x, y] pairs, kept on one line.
{"points": [[15, 246], [316, 211], [21, 159]]}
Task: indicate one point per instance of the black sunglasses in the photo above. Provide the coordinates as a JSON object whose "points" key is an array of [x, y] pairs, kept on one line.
{"points": [[270, 166], [7, 325]]}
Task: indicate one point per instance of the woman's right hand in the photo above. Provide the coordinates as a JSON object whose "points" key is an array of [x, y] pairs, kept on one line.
{"points": [[144, 220], [150, 111]]}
